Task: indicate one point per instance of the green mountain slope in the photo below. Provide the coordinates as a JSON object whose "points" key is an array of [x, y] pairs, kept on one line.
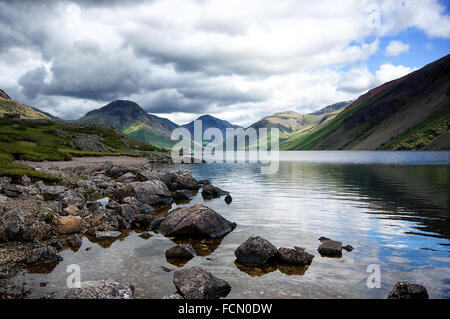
{"points": [[411, 112], [131, 119]]}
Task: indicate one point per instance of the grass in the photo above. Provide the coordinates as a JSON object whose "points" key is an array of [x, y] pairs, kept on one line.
{"points": [[421, 134], [37, 140]]}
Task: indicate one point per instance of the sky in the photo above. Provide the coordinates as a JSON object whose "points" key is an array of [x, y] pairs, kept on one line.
{"points": [[236, 60]]}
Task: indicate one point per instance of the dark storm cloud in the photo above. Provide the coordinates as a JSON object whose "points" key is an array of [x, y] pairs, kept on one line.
{"points": [[32, 82]]}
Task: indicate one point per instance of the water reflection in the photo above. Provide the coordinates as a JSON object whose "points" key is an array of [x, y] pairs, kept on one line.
{"points": [[395, 216]]}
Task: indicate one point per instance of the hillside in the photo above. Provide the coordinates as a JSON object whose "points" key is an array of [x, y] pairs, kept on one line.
{"points": [[292, 124], [8, 105], [131, 119], [412, 112], [38, 140]]}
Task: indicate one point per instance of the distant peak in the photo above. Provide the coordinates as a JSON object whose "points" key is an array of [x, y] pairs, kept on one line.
{"points": [[205, 116], [4, 95]]}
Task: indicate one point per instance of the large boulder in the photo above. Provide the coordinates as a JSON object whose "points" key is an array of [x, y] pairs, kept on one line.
{"points": [[102, 289], [149, 192], [330, 248], [406, 290], [197, 283], [294, 257], [183, 180], [68, 224], [145, 175], [195, 221], [256, 251]]}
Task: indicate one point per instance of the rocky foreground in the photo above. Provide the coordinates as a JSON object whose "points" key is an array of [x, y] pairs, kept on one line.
{"points": [[38, 220]]}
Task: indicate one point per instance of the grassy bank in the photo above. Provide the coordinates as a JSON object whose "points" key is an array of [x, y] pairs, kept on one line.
{"points": [[36, 140]]}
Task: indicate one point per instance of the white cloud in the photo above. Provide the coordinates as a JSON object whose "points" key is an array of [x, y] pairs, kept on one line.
{"points": [[238, 59], [395, 48], [389, 72]]}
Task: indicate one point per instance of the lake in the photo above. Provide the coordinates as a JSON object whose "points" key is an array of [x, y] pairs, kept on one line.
{"points": [[392, 207]]}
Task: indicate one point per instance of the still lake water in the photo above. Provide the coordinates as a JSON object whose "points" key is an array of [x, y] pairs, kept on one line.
{"points": [[392, 207]]}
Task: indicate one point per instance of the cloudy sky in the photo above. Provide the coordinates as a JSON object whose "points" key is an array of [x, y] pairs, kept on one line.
{"points": [[237, 60]]}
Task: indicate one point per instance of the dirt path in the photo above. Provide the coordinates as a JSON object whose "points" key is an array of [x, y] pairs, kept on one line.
{"points": [[89, 161]]}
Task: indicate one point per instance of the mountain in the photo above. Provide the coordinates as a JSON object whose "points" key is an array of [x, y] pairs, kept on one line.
{"points": [[130, 118], [412, 112], [10, 106], [209, 121], [332, 108]]}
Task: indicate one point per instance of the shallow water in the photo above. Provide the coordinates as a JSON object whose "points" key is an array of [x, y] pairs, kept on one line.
{"points": [[392, 207]]}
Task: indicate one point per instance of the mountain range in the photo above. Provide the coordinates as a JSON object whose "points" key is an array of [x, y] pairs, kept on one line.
{"points": [[412, 112]]}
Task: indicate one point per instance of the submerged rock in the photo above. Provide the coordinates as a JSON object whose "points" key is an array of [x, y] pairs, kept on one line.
{"points": [[330, 248], [255, 251], [195, 221], [103, 235], [228, 199], [185, 252], [182, 194], [102, 289], [406, 290], [197, 283], [347, 247], [295, 257]]}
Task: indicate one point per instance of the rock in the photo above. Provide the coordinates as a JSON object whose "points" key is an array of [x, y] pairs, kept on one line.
{"points": [[3, 199], [204, 182], [173, 296], [12, 224], [347, 247], [150, 192], [86, 186], [183, 180], [68, 224], [182, 194], [24, 180], [42, 255], [185, 252], [195, 221], [71, 210], [128, 212], [294, 257], [73, 241], [112, 204], [209, 191], [89, 143], [256, 251], [228, 199], [197, 283], [11, 191], [330, 248], [321, 239], [131, 201], [102, 289], [35, 230], [72, 198], [406, 290], [103, 235], [127, 178], [92, 206], [145, 235], [53, 192], [145, 175]]}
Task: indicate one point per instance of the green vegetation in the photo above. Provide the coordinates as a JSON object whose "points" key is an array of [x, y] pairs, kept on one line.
{"points": [[421, 134], [38, 140], [308, 139], [12, 106], [143, 132]]}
